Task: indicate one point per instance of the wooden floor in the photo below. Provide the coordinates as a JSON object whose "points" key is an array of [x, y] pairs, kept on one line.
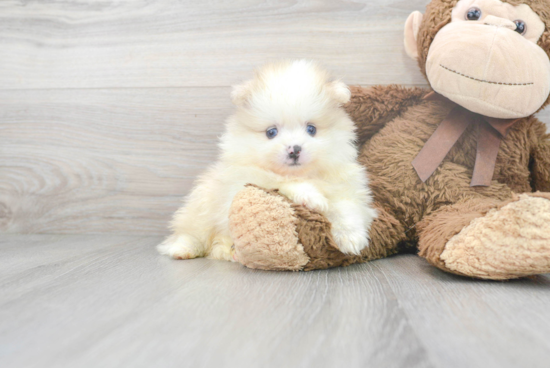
{"points": [[111, 301]]}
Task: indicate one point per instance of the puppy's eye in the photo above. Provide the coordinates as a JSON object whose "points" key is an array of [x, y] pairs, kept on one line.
{"points": [[521, 27], [473, 14], [271, 133], [311, 130]]}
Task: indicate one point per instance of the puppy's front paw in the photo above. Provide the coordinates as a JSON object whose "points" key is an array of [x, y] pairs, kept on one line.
{"points": [[350, 241], [181, 247], [309, 196]]}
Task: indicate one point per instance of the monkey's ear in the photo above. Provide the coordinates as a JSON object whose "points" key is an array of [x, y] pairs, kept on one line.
{"points": [[340, 92], [241, 93], [412, 26]]}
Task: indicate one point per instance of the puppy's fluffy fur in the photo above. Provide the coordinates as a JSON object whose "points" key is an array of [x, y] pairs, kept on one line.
{"points": [[318, 170]]}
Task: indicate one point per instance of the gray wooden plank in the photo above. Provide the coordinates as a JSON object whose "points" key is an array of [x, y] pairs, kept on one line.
{"points": [[143, 43], [472, 323], [127, 306], [95, 161], [46, 250], [121, 304]]}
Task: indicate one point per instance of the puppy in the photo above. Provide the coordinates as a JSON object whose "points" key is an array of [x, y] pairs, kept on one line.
{"points": [[289, 132]]}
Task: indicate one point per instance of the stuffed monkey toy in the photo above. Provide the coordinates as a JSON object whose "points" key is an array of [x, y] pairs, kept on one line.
{"points": [[461, 172]]}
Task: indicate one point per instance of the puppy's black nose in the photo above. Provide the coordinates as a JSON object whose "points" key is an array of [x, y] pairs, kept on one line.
{"points": [[294, 152]]}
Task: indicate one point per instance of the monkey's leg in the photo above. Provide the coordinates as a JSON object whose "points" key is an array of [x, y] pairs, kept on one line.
{"points": [[385, 235], [272, 233], [488, 238]]}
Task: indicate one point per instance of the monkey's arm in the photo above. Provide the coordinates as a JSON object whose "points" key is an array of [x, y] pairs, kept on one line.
{"points": [[540, 158], [371, 108]]}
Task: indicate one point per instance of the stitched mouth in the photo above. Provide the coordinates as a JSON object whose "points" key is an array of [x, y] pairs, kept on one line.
{"points": [[485, 81]]}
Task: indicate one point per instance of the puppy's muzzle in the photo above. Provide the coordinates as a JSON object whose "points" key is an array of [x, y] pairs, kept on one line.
{"points": [[294, 153]]}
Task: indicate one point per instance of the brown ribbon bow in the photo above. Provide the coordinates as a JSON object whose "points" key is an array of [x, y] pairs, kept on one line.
{"points": [[491, 132]]}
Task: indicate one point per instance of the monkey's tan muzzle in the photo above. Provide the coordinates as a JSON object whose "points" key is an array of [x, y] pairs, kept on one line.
{"points": [[489, 69]]}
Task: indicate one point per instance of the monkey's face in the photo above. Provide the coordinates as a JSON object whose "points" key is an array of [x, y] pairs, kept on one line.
{"points": [[488, 61]]}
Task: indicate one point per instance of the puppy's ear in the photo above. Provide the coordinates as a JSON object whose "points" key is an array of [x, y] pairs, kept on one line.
{"points": [[340, 92], [241, 93]]}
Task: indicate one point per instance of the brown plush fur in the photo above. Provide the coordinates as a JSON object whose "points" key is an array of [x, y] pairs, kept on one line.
{"points": [[393, 125], [437, 210], [507, 242], [437, 229], [324, 254], [263, 228], [270, 232]]}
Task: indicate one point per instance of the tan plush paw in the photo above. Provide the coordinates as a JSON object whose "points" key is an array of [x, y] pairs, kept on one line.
{"points": [[263, 228], [511, 242]]}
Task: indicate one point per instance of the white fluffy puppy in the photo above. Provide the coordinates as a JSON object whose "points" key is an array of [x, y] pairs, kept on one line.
{"points": [[289, 132]]}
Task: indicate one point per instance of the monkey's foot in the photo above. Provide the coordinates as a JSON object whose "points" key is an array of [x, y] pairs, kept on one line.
{"points": [[507, 243]]}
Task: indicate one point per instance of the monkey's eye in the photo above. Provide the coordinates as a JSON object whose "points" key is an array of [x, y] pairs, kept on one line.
{"points": [[473, 14], [271, 133], [521, 27], [311, 130]]}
